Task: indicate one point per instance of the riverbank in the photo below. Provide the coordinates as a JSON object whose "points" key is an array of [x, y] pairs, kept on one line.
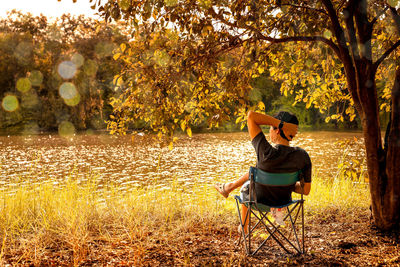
{"points": [[91, 223]]}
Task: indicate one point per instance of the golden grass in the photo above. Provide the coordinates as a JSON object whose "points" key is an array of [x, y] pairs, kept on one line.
{"points": [[70, 215]]}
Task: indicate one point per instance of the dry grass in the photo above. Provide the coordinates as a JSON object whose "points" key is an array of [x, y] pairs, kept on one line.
{"points": [[75, 222]]}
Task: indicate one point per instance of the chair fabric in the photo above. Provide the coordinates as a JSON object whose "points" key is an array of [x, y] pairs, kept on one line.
{"points": [[287, 237]]}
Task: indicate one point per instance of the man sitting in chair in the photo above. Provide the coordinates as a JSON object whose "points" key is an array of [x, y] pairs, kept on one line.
{"points": [[281, 158]]}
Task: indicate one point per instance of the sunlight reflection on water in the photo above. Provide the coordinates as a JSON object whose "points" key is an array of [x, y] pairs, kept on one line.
{"points": [[202, 159]]}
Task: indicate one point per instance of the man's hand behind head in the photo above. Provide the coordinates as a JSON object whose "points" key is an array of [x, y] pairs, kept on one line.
{"points": [[289, 130]]}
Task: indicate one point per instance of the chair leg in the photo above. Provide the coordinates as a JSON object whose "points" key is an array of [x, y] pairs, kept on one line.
{"points": [[242, 224], [302, 226], [274, 232]]}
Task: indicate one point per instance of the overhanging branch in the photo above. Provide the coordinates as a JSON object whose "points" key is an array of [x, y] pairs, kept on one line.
{"points": [[261, 36], [307, 7], [386, 54], [328, 42]]}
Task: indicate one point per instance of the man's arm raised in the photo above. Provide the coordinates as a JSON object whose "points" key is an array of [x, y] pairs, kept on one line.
{"points": [[255, 119]]}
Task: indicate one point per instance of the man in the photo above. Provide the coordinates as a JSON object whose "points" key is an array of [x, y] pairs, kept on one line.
{"points": [[281, 158]]}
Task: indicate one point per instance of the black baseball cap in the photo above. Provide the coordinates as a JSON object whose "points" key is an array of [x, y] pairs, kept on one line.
{"points": [[286, 117]]}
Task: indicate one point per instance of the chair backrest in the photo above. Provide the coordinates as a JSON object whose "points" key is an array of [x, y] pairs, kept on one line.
{"points": [[274, 179]]}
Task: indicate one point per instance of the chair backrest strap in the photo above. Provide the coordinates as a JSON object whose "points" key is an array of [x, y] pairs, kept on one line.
{"points": [[274, 179]]}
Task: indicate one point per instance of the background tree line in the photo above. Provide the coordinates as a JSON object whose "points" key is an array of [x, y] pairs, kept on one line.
{"points": [[43, 62]]}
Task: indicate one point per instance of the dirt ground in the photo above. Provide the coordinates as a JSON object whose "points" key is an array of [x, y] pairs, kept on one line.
{"points": [[331, 240]]}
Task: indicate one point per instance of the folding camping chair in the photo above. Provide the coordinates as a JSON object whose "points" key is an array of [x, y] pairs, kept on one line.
{"points": [[287, 237]]}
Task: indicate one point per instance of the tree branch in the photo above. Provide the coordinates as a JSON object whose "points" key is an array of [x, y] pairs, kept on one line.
{"points": [[328, 42], [339, 33], [344, 50], [341, 5], [386, 54], [261, 36], [351, 32], [307, 7]]}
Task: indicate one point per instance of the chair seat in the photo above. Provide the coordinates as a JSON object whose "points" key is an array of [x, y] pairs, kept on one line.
{"points": [[264, 207]]}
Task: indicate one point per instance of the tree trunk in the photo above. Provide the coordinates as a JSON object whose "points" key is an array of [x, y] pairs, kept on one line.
{"points": [[384, 166]]}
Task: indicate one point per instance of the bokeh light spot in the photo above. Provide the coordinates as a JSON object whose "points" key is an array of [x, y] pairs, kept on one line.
{"points": [[161, 57], [90, 67], [31, 128], [73, 101], [66, 128], [29, 100], [36, 78], [10, 103], [68, 91], [67, 69], [327, 34], [393, 3], [23, 52], [170, 3], [78, 59], [24, 85], [104, 49]]}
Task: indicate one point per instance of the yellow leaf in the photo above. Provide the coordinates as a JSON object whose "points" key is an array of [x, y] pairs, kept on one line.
{"points": [[261, 105], [170, 146], [189, 132], [238, 119], [123, 47], [116, 56], [183, 125], [327, 119]]}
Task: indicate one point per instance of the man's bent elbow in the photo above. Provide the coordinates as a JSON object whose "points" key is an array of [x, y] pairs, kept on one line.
{"points": [[250, 114]]}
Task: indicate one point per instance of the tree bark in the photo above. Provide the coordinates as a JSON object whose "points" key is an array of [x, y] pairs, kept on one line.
{"points": [[384, 166], [390, 199]]}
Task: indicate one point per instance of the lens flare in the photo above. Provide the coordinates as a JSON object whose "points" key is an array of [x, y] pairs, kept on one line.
{"points": [[161, 57], [10, 103], [67, 69], [68, 91], [29, 100], [24, 85], [23, 52], [90, 67], [31, 128], [393, 3], [78, 59], [170, 3], [104, 49], [66, 129], [73, 101], [36, 78]]}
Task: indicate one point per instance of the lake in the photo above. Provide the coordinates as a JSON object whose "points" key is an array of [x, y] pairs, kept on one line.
{"points": [[137, 161]]}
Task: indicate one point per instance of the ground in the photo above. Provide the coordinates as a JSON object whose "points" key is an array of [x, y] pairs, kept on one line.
{"points": [[332, 240]]}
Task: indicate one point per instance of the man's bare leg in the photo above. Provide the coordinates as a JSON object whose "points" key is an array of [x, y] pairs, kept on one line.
{"points": [[225, 189], [245, 220]]}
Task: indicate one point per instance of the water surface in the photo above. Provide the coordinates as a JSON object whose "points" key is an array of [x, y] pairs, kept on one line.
{"points": [[139, 161]]}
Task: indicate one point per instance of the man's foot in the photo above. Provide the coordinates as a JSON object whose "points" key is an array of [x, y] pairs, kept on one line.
{"points": [[221, 189]]}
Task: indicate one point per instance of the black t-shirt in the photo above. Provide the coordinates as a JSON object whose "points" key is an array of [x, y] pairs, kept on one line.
{"points": [[279, 159]]}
